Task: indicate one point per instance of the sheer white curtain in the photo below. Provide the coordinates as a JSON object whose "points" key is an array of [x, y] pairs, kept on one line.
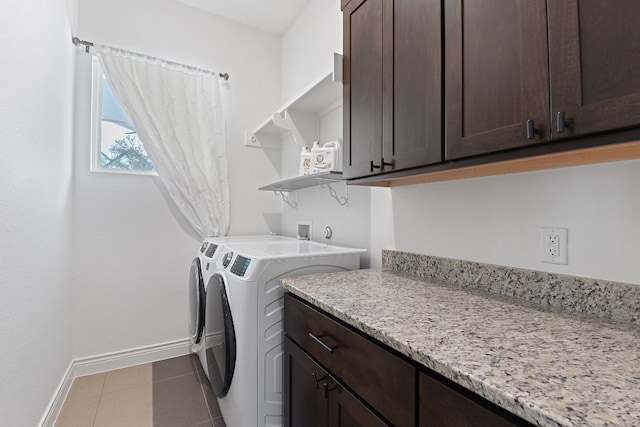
{"points": [[178, 115]]}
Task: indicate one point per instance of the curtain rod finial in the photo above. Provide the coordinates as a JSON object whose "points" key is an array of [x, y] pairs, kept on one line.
{"points": [[224, 76]]}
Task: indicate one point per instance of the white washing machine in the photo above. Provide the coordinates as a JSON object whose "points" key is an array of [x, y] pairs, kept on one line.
{"points": [[242, 333]]}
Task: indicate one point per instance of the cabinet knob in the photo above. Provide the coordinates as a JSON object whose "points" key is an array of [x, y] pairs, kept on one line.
{"points": [[374, 166], [531, 129], [391, 163], [561, 122]]}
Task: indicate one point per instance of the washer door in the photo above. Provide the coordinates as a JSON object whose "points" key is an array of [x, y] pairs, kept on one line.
{"points": [[196, 302], [220, 337]]}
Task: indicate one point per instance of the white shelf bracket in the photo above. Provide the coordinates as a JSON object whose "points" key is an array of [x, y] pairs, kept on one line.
{"points": [[293, 204], [285, 121], [342, 200]]}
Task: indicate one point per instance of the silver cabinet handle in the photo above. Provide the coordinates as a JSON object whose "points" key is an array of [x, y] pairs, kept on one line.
{"points": [[562, 123], [531, 129]]}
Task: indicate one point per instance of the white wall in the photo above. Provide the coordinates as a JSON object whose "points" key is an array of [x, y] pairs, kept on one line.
{"points": [[307, 55], [497, 220], [308, 46], [36, 109], [131, 257], [350, 224]]}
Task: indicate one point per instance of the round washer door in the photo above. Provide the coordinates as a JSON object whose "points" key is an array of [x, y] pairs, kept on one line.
{"points": [[219, 336], [196, 302]]}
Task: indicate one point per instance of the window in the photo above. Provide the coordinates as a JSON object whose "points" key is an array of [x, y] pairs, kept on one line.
{"points": [[115, 144]]}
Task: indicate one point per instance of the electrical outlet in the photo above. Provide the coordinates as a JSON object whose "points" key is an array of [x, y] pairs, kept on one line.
{"points": [[554, 245]]}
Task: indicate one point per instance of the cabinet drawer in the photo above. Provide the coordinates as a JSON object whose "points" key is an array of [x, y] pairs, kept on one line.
{"points": [[382, 379]]}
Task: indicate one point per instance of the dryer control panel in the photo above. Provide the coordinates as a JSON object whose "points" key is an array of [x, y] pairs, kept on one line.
{"points": [[211, 250], [239, 267]]}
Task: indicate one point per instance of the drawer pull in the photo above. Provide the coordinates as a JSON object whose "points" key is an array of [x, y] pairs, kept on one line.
{"points": [[318, 380], [319, 341]]}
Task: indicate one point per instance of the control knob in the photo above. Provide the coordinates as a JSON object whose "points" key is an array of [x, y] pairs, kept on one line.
{"points": [[227, 259]]}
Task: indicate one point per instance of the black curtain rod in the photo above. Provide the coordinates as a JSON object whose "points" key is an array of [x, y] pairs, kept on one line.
{"points": [[87, 45]]}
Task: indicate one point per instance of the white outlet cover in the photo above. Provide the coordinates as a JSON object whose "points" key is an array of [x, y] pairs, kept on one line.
{"points": [[555, 249]]}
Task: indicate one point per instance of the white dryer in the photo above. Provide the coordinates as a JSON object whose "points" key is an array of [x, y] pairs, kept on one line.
{"points": [[201, 269], [243, 321], [204, 265]]}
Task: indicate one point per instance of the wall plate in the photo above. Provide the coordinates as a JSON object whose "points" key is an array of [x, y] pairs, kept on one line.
{"points": [[555, 245]]}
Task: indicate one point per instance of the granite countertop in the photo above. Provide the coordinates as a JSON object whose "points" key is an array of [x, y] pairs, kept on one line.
{"points": [[549, 367]]}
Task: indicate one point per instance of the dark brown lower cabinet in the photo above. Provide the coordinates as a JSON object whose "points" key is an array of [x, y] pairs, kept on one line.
{"points": [[337, 376], [304, 403], [443, 406], [314, 399]]}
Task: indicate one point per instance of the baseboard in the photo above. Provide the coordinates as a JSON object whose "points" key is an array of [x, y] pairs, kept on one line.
{"points": [[107, 362], [124, 359], [54, 407]]}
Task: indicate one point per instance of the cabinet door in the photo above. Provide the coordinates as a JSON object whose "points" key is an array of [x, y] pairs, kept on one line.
{"points": [[441, 406], [595, 65], [315, 399], [304, 401], [363, 86], [345, 410], [497, 75], [415, 136]]}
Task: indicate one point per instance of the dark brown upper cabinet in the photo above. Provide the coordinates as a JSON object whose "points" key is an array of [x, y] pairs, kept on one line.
{"points": [[522, 79], [529, 71], [594, 59], [497, 80], [392, 85]]}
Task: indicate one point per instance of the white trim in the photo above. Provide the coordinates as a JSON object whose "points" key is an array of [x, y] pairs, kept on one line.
{"points": [[55, 406], [124, 359], [96, 112], [125, 171], [108, 362]]}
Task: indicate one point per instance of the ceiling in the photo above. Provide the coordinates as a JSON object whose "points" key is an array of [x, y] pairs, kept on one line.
{"points": [[274, 16]]}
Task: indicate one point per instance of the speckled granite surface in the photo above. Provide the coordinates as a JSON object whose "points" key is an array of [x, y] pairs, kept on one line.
{"points": [[548, 366], [607, 300]]}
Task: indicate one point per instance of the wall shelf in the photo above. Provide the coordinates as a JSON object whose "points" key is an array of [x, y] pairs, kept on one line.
{"points": [[322, 179], [299, 115], [300, 182]]}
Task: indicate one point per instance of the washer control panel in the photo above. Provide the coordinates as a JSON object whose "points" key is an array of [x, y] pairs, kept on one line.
{"points": [[240, 266]]}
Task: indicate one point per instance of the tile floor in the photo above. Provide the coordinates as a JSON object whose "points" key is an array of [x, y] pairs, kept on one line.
{"points": [[171, 393]]}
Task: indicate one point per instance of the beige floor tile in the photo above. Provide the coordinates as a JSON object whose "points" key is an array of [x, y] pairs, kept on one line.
{"points": [[78, 413], [88, 386], [122, 379], [132, 407]]}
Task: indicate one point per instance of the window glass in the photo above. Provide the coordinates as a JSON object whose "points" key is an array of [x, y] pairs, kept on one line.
{"points": [[116, 147]]}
